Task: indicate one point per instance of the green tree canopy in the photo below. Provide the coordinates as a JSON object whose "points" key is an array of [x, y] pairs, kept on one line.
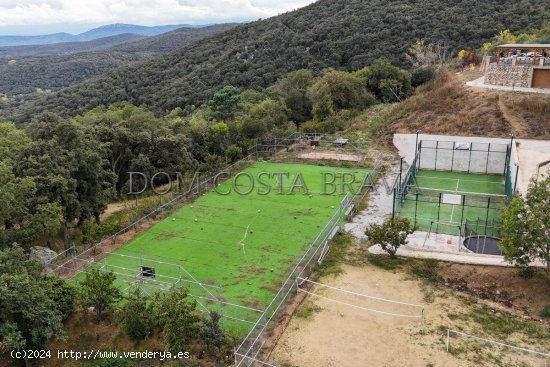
{"points": [[98, 290], [32, 306], [387, 82], [526, 227], [391, 234]]}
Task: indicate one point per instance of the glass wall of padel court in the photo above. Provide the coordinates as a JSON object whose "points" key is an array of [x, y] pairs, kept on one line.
{"points": [[457, 188]]}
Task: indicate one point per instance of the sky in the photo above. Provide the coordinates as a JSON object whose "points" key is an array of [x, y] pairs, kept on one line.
{"points": [[33, 17]]}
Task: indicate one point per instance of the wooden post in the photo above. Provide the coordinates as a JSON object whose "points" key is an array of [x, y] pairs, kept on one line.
{"points": [[498, 55]]}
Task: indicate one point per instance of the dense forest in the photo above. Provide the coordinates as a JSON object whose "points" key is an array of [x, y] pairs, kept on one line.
{"points": [[59, 174], [26, 75], [344, 34]]}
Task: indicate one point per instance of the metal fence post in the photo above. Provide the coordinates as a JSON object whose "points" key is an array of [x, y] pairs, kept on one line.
{"points": [[463, 205], [438, 212], [416, 209], [487, 214]]}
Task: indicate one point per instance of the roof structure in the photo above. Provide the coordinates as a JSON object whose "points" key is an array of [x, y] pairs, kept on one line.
{"points": [[525, 46]]}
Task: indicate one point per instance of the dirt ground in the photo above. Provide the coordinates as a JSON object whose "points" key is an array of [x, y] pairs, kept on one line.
{"points": [[324, 333], [337, 156], [338, 335], [524, 296]]}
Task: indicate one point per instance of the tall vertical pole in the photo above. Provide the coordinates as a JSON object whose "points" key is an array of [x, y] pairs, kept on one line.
{"points": [[400, 170], [509, 154], [416, 209], [463, 204], [487, 216], [419, 155], [416, 145], [438, 212], [516, 179], [393, 206]]}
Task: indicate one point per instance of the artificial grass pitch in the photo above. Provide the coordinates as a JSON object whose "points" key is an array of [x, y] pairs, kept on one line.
{"points": [[483, 200], [246, 244]]}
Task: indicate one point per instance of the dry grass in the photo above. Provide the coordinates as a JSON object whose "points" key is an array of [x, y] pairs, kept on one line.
{"points": [[534, 110], [447, 106]]}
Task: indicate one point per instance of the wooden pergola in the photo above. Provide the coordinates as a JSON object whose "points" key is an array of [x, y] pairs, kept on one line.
{"points": [[508, 48]]}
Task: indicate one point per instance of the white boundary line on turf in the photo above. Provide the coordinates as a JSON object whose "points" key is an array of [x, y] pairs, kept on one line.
{"points": [[453, 209], [472, 193], [449, 179]]}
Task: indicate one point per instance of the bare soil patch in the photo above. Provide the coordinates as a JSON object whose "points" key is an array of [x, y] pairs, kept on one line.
{"points": [[502, 285], [324, 333], [336, 335], [336, 156]]}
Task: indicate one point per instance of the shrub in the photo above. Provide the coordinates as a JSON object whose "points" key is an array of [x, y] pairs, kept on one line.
{"points": [[422, 75], [136, 316], [212, 334], [99, 291], [390, 235]]}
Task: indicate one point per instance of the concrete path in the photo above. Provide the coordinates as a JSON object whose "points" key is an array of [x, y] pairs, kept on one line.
{"points": [[479, 83], [379, 208]]}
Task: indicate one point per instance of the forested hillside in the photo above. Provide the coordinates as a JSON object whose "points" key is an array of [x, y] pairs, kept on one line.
{"points": [[23, 75], [345, 34]]}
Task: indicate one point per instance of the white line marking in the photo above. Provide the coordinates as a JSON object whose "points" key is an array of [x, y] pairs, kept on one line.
{"points": [[453, 210]]}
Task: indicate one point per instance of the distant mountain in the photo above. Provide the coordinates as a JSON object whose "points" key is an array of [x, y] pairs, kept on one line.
{"points": [[100, 32], [36, 40], [342, 34], [23, 75], [115, 29], [65, 48]]}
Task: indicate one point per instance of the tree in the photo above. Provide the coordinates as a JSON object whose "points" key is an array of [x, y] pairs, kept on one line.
{"points": [[234, 153], [430, 55], [135, 140], [32, 306], [212, 334], [99, 291], [175, 314], [390, 235], [293, 88], [66, 164], [526, 227], [12, 141], [137, 316], [387, 82], [225, 103], [26, 215], [336, 91]]}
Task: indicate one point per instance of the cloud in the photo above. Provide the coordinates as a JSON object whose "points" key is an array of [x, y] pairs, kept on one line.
{"points": [[146, 12]]}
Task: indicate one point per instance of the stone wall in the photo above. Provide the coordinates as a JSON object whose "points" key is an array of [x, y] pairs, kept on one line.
{"points": [[509, 75]]}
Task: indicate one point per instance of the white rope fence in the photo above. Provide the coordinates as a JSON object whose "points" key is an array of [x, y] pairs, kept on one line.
{"points": [[302, 281], [450, 332]]}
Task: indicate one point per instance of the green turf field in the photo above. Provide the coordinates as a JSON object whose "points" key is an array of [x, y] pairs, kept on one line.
{"points": [[480, 192], [246, 244]]}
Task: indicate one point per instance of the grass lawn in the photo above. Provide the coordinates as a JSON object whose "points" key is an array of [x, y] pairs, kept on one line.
{"points": [[245, 244], [479, 192]]}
